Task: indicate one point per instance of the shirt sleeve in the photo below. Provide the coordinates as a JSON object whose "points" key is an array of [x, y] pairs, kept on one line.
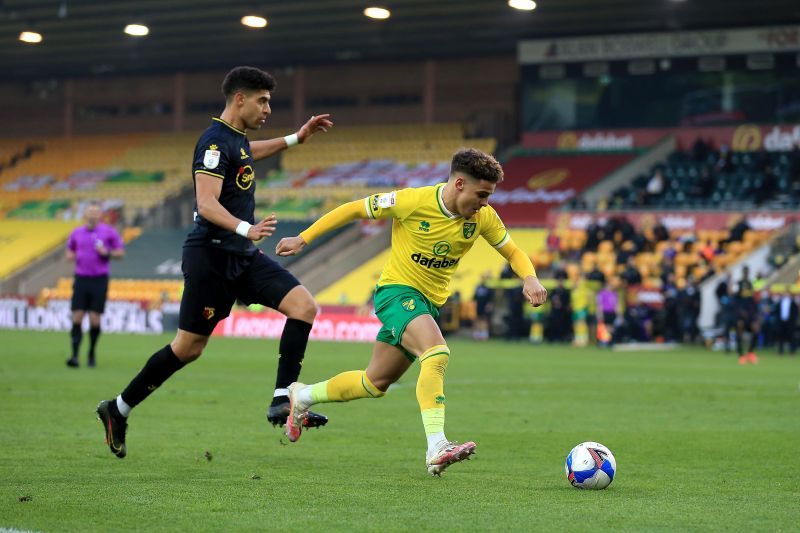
{"points": [[115, 240], [492, 228], [210, 158], [72, 244], [396, 204]]}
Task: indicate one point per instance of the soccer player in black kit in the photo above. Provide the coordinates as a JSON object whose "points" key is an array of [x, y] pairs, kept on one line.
{"points": [[220, 262]]}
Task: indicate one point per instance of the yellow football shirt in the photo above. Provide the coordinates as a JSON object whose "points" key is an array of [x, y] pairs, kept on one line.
{"points": [[428, 241]]}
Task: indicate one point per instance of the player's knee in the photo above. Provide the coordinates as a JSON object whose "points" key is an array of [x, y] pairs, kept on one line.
{"points": [[436, 362], [383, 383], [306, 310], [188, 351], [188, 354]]}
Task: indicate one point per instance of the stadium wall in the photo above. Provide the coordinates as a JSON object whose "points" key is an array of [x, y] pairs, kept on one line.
{"points": [[451, 90]]}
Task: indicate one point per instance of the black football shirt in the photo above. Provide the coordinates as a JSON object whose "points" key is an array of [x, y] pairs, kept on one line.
{"points": [[223, 152]]}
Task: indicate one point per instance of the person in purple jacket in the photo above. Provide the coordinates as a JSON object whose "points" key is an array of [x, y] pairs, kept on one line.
{"points": [[91, 247]]}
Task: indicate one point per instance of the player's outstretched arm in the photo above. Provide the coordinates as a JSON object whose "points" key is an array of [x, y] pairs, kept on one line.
{"points": [[522, 266], [337, 218], [208, 206], [317, 123]]}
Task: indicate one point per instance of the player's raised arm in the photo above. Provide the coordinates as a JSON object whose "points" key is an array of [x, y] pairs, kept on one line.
{"points": [[336, 218], [208, 206], [317, 123]]}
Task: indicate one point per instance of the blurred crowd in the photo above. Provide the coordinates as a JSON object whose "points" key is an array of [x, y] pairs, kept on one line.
{"points": [[634, 301]]}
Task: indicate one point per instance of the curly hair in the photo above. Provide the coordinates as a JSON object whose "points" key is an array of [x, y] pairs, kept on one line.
{"points": [[476, 164], [247, 79]]}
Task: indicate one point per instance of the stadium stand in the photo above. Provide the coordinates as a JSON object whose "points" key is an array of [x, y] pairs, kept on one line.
{"points": [[66, 172], [654, 252], [404, 143], [23, 241], [705, 176]]}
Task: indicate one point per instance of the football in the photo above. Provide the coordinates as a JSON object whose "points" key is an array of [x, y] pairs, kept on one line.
{"points": [[590, 465]]}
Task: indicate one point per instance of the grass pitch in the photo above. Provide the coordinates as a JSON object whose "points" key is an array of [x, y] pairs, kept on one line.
{"points": [[701, 443]]}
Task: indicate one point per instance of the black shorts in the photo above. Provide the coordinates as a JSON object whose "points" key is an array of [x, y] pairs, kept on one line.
{"points": [[89, 293], [214, 279], [609, 318]]}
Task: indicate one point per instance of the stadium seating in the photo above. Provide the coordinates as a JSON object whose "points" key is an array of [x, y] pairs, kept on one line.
{"points": [[359, 161], [708, 178], [23, 241], [650, 263], [404, 143], [84, 168], [151, 291]]}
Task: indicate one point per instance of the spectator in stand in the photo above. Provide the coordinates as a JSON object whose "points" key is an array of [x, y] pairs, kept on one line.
{"points": [[667, 267], [737, 231], [786, 313], [593, 237], [655, 187], [660, 233], [769, 184], [700, 150], [744, 305], [596, 275], [705, 184], [724, 161], [672, 331], [759, 282], [689, 310], [553, 243], [631, 275], [483, 309], [767, 319], [607, 302], [627, 251], [558, 327], [726, 317], [707, 252]]}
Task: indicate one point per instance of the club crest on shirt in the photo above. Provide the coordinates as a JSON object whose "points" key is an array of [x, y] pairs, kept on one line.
{"points": [[208, 313], [244, 154], [469, 229], [244, 177], [211, 157]]}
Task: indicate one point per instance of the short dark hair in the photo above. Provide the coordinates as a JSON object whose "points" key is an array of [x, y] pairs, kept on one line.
{"points": [[477, 164], [247, 79]]}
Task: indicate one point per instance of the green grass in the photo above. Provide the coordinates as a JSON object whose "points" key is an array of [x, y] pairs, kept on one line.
{"points": [[701, 443]]}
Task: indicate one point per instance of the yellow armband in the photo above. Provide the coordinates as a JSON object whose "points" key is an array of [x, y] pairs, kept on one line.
{"points": [[520, 262], [337, 218]]}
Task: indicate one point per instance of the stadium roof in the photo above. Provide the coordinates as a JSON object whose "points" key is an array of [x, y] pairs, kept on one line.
{"points": [[85, 37]]}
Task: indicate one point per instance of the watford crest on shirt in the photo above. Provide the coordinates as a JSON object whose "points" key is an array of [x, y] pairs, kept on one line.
{"points": [[469, 229]]}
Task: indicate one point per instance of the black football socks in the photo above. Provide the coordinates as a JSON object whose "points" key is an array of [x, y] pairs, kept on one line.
{"points": [[292, 349], [156, 371], [76, 336]]}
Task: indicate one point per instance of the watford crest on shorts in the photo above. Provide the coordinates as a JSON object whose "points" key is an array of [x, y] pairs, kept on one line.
{"points": [[469, 229], [208, 313]]}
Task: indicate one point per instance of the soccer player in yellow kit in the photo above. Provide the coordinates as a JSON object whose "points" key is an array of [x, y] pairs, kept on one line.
{"points": [[433, 228]]}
